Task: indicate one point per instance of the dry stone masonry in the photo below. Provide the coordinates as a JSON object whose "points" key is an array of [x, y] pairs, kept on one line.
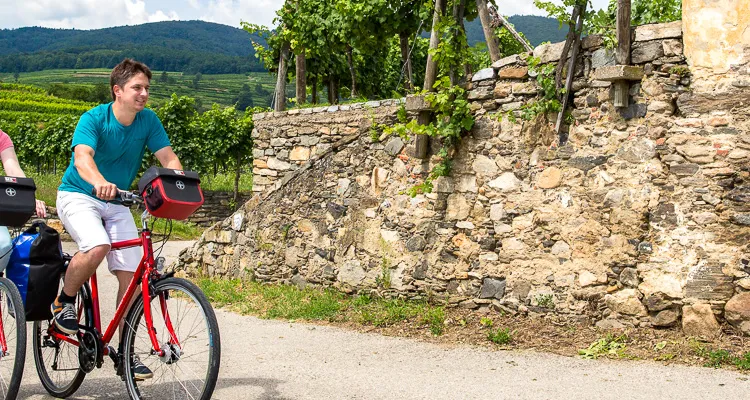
{"points": [[641, 218]]}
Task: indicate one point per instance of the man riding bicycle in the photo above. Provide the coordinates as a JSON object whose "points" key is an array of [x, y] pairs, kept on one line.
{"points": [[12, 168], [108, 147]]}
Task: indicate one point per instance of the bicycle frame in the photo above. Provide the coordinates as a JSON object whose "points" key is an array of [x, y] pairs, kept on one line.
{"points": [[143, 274]]}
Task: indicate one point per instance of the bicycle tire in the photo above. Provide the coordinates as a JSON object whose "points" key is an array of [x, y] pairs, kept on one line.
{"points": [[178, 360], [76, 374], [17, 319]]}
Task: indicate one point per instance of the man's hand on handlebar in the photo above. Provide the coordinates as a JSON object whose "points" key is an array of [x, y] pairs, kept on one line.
{"points": [[105, 191]]}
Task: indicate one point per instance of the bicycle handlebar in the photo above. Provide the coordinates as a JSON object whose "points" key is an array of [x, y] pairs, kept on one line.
{"points": [[127, 198]]}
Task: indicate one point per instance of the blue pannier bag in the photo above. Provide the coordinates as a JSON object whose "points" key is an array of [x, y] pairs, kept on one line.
{"points": [[35, 266]]}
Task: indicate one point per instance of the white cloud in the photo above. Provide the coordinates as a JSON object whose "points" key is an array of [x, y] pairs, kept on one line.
{"points": [[90, 14], [231, 12], [79, 14]]}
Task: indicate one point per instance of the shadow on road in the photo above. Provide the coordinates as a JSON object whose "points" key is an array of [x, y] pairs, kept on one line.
{"points": [[103, 388]]}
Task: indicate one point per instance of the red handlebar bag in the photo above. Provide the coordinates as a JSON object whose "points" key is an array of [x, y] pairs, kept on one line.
{"points": [[170, 193], [17, 203]]}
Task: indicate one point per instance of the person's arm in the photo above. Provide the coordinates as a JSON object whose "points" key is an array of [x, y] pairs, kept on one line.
{"points": [[87, 169], [13, 168], [10, 163], [168, 158]]}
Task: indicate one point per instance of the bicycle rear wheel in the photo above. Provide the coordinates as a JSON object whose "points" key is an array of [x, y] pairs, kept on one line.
{"points": [[57, 362], [13, 322], [189, 365]]}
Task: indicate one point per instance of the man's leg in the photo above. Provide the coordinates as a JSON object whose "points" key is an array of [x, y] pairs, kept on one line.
{"points": [[123, 263], [81, 216]]}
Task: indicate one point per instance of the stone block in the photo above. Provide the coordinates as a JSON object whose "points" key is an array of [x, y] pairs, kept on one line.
{"points": [[618, 73], [550, 178], [416, 103], [658, 31], [513, 73], [699, 320], [737, 312], [484, 74], [503, 62], [549, 52], [300, 154], [646, 52], [603, 58], [592, 41]]}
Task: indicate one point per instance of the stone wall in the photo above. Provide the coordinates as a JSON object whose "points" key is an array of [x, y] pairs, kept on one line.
{"points": [[216, 207], [283, 141], [639, 219]]}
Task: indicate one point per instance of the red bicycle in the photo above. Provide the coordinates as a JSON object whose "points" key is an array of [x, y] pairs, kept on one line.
{"points": [[171, 327]]}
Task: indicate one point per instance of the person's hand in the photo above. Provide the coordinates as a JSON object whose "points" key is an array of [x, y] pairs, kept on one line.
{"points": [[41, 209], [106, 190]]}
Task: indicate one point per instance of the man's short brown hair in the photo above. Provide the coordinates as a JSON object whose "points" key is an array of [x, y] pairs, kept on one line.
{"points": [[124, 71]]}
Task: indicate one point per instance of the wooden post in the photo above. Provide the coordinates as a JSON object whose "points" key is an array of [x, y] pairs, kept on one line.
{"points": [[406, 58], [489, 32], [580, 12], [499, 20], [422, 142], [301, 73], [280, 93], [623, 50]]}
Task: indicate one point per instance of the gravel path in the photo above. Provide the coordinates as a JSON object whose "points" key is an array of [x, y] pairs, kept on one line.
{"points": [[279, 360]]}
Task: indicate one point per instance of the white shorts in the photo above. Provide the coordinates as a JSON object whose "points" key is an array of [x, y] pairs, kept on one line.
{"points": [[91, 223]]}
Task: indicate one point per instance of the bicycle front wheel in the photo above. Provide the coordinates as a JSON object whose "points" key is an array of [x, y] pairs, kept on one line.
{"points": [[186, 365], [13, 339]]}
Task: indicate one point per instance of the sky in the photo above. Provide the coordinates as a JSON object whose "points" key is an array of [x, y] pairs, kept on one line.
{"points": [[93, 14]]}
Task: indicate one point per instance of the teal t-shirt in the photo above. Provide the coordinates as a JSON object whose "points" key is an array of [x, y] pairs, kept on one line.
{"points": [[118, 149]]}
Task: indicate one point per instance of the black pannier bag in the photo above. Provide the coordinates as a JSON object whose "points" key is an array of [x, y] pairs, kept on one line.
{"points": [[170, 193], [17, 203], [35, 266]]}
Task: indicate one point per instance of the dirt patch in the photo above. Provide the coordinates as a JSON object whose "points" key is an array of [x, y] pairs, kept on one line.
{"points": [[554, 334]]}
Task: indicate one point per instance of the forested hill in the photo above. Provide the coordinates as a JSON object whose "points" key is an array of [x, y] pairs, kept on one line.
{"points": [[188, 46], [536, 29], [185, 46]]}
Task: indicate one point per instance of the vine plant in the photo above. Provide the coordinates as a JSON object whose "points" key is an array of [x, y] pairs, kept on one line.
{"points": [[452, 118], [548, 102]]}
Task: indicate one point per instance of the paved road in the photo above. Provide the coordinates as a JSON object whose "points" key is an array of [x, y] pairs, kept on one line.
{"points": [[277, 360]]}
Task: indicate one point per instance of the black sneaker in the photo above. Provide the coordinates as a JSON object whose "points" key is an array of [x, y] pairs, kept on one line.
{"points": [[66, 319], [140, 370]]}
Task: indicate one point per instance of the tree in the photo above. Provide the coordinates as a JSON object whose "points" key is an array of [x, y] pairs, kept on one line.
{"points": [[164, 77], [244, 99], [16, 75], [197, 79]]}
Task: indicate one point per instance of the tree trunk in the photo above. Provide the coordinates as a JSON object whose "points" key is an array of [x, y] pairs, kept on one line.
{"points": [[280, 93], [336, 86], [301, 74], [489, 32], [350, 61], [314, 82], [331, 90], [430, 75], [406, 60]]}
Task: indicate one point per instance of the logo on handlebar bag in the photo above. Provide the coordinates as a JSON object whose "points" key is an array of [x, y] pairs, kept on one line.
{"points": [[10, 192], [178, 172], [11, 180]]}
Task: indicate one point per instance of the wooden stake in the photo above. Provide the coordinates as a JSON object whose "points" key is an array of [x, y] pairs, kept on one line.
{"points": [[623, 50], [499, 20], [489, 32], [581, 12]]}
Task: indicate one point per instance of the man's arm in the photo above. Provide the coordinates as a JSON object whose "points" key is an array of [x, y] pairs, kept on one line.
{"points": [[168, 158], [87, 169], [10, 163]]}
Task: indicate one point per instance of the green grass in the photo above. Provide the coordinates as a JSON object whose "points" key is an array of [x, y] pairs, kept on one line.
{"points": [[500, 336], [717, 358], [220, 89], [609, 346], [292, 303]]}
